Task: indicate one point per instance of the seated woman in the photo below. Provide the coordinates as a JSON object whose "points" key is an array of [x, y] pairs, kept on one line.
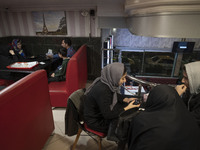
{"points": [[103, 101], [17, 50], [165, 124], [60, 73]]}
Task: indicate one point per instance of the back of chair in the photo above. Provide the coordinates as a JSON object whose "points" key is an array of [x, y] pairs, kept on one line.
{"points": [[74, 112], [77, 99], [75, 102]]}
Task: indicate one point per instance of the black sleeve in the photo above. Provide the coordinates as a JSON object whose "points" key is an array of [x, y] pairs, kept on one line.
{"points": [[104, 101], [120, 97], [195, 108], [13, 59], [196, 114]]}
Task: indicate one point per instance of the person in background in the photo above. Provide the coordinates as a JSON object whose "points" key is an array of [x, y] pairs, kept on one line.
{"points": [[60, 73], [190, 89], [103, 102], [66, 43], [165, 124], [17, 50]]}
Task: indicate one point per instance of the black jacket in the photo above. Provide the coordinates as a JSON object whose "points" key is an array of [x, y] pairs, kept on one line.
{"points": [[193, 105], [165, 124], [74, 112], [97, 112]]}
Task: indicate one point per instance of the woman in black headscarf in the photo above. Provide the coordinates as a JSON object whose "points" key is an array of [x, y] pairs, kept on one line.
{"points": [[103, 101], [165, 124]]}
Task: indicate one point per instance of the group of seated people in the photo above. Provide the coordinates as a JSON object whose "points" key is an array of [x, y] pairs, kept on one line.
{"points": [[169, 120], [66, 52], [15, 52]]}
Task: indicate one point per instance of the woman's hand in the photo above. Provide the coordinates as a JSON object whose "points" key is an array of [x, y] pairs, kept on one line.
{"points": [[128, 100], [131, 105], [53, 75], [180, 89], [12, 52]]}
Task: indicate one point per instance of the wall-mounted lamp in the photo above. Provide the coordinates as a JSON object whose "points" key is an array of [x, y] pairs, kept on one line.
{"points": [[84, 13]]}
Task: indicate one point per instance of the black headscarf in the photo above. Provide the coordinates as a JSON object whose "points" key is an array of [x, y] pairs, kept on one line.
{"points": [[165, 124]]}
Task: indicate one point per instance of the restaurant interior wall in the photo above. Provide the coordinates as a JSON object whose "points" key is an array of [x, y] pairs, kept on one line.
{"points": [[17, 22], [21, 24], [137, 51]]}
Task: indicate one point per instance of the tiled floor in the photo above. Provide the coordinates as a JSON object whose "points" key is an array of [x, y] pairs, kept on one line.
{"points": [[60, 141]]}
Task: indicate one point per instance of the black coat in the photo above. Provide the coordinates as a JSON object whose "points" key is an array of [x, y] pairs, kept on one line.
{"points": [[165, 124], [74, 112], [97, 112], [193, 105]]}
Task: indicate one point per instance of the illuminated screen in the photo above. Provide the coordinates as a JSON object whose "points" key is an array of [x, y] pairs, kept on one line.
{"points": [[183, 47]]}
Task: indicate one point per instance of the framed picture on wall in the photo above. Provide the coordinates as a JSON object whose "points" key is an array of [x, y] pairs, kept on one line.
{"points": [[50, 22]]}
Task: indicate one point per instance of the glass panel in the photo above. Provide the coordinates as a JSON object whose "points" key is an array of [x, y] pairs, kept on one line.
{"points": [[158, 64], [133, 62], [115, 56], [148, 63], [109, 56], [187, 58], [190, 57]]}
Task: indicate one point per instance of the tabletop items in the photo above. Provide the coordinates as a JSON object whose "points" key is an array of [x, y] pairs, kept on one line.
{"points": [[23, 65]]}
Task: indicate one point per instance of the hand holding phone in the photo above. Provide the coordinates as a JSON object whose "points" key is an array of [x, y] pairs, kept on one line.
{"points": [[128, 100], [131, 105]]}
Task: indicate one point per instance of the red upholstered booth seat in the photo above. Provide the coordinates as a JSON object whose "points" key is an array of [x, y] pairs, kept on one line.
{"points": [[76, 78], [26, 119]]}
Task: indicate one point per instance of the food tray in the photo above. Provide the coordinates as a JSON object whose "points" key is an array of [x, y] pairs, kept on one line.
{"points": [[23, 65]]}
